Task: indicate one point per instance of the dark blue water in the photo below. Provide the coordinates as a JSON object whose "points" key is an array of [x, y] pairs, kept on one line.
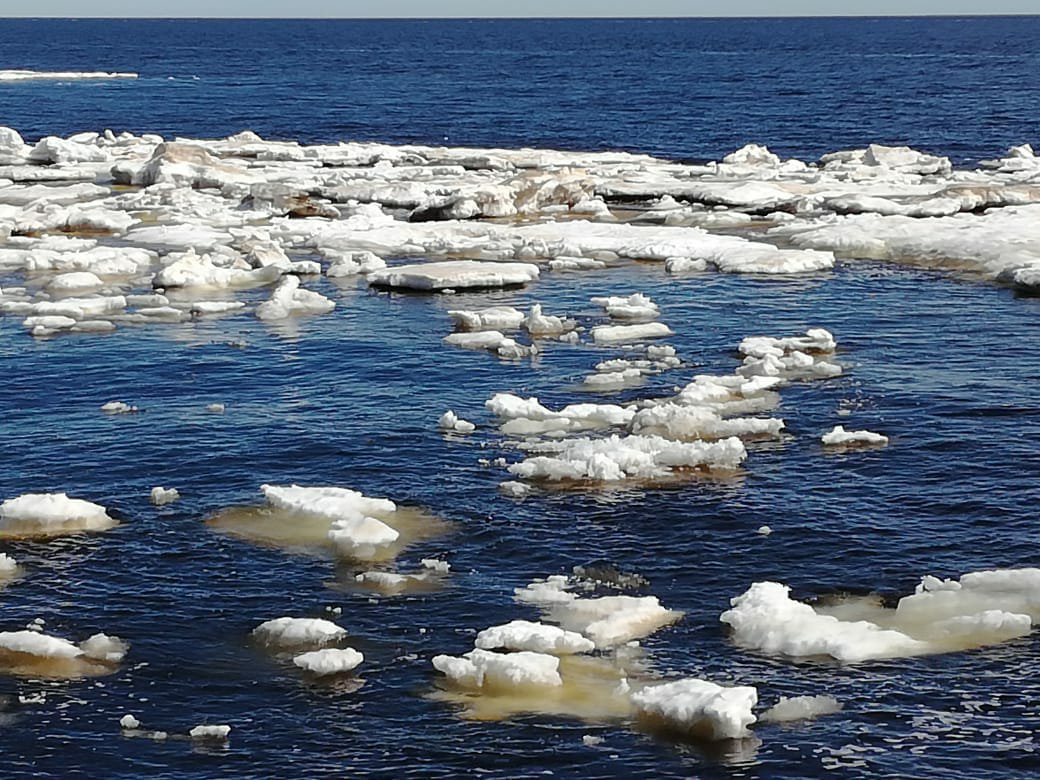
{"points": [[946, 367], [673, 87]]}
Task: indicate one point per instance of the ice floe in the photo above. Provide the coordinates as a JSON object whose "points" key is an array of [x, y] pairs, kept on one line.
{"points": [[801, 708], [293, 632], [51, 514], [329, 661], [698, 708], [980, 609], [60, 75], [36, 654], [839, 437], [334, 519], [454, 275]]}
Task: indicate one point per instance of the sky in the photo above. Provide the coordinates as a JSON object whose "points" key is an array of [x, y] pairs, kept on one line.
{"points": [[504, 8]]}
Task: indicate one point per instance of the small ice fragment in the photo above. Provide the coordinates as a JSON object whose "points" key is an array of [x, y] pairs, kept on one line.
{"points": [[329, 661], [801, 708], [215, 408], [103, 647], [514, 489], [838, 436], [441, 567], [118, 407], [449, 421], [129, 722], [209, 732], [161, 495], [764, 530], [590, 740], [8, 567]]}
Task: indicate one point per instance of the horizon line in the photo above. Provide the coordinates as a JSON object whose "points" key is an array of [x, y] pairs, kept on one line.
{"points": [[705, 17]]}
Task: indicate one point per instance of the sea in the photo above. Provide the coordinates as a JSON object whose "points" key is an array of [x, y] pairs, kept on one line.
{"points": [[945, 365]]}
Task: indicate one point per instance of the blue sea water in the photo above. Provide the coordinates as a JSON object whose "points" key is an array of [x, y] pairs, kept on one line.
{"points": [[945, 365]]}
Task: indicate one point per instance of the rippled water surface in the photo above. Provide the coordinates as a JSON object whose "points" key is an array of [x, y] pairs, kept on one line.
{"points": [[945, 366]]}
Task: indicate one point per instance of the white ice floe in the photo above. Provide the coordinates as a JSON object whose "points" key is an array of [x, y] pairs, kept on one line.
{"points": [[52, 513], [203, 732], [541, 325], [161, 495], [454, 274], [329, 661], [293, 632], [612, 334], [118, 407], [288, 300], [635, 307], [492, 341], [537, 637], [980, 609], [801, 708], [492, 318], [630, 457], [8, 566], [483, 669], [334, 519], [129, 723], [435, 565], [193, 271], [61, 75], [839, 437], [699, 708], [102, 647], [449, 421], [610, 621], [75, 281]]}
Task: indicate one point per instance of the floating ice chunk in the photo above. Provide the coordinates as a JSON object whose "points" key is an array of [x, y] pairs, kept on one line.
{"points": [[631, 457], [289, 300], [541, 325], [800, 708], [52, 513], [102, 647], [37, 644], [493, 318], [610, 334], [690, 423], [764, 530], [60, 75], [514, 489], [551, 590], [537, 637], [433, 564], [215, 408], [613, 380], [75, 281], [491, 340], [129, 723], [838, 436], [161, 495], [699, 708], [634, 307], [765, 618], [191, 270], [482, 669], [815, 340], [331, 502], [291, 632], [610, 621], [576, 264], [683, 265], [118, 407], [361, 537], [591, 740], [353, 263], [455, 274], [752, 155], [204, 732], [8, 566], [329, 661], [449, 421]]}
